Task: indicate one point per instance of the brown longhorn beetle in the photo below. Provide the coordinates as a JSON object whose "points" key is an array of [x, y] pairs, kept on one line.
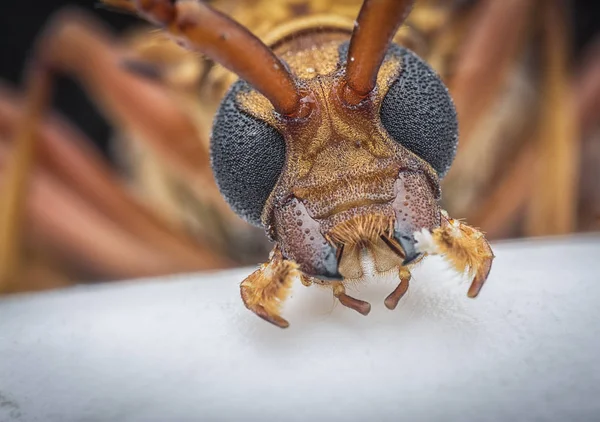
{"points": [[333, 141]]}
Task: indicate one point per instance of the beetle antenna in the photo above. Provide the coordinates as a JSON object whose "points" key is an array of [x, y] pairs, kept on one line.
{"points": [[374, 30], [200, 27]]}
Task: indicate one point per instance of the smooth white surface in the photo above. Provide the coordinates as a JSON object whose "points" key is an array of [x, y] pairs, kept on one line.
{"points": [[187, 349]]}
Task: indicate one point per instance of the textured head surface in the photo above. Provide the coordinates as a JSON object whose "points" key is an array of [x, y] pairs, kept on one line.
{"points": [[341, 165]]}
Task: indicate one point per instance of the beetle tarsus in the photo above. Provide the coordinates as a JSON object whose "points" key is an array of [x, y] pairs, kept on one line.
{"points": [[463, 246], [265, 289]]}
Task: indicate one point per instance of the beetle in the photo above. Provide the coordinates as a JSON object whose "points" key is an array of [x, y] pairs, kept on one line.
{"points": [[333, 142], [335, 148]]}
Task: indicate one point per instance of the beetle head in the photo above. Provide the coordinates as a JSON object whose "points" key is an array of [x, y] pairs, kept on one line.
{"points": [[343, 178]]}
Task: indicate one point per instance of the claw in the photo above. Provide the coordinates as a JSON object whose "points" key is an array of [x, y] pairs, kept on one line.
{"points": [[480, 277], [273, 319]]}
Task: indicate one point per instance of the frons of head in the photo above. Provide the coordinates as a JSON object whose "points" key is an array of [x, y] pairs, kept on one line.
{"points": [[199, 27]]}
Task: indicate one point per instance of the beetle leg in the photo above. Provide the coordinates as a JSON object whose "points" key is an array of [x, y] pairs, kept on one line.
{"points": [[339, 292], [360, 306], [265, 289], [392, 300], [463, 246]]}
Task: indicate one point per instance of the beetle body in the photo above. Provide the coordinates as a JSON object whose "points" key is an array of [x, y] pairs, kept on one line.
{"points": [[333, 141]]}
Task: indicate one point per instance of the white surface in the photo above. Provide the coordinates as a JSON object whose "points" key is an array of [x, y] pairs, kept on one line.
{"points": [[187, 349]]}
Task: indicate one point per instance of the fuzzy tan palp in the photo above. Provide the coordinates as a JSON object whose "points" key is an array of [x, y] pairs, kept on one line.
{"points": [[463, 246], [265, 289]]}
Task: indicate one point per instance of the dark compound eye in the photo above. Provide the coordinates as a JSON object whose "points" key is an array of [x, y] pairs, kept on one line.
{"points": [[418, 112], [247, 157]]}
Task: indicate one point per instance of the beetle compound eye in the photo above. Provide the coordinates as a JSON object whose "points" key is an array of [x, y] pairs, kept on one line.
{"points": [[247, 156], [418, 112]]}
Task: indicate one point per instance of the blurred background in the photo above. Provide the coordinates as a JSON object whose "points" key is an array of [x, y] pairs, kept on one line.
{"points": [[118, 184]]}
